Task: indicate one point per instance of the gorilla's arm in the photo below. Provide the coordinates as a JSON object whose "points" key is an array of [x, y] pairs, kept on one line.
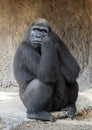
{"points": [[30, 57], [48, 68], [44, 67], [69, 66]]}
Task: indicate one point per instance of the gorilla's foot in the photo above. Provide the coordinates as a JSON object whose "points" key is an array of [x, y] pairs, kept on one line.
{"points": [[45, 116], [71, 109]]}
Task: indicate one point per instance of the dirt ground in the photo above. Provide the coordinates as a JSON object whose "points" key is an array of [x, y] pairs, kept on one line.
{"points": [[13, 115], [79, 122]]}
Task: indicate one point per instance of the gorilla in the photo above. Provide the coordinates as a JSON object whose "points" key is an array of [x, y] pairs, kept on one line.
{"points": [[46, 73]]}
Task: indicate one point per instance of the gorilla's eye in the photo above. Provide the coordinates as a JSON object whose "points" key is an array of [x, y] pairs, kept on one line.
{"points": [[44, 31], [35, 29]]}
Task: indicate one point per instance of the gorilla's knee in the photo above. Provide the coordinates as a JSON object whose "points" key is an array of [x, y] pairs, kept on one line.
{"points": [[36, 90]]}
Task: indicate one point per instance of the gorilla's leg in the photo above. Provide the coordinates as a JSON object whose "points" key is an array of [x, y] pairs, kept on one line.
{"points": [[72, 90], [59, 95], [59, 98], [35, 98]]}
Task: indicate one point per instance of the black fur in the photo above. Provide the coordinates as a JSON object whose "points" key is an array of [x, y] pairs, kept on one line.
{"points": [[46, 73]]}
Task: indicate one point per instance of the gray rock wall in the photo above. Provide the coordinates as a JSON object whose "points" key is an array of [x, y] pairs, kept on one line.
{"points": [[71, 20]]}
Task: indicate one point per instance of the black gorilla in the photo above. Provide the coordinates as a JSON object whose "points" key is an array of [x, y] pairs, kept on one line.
{"points": [[46, 73]]}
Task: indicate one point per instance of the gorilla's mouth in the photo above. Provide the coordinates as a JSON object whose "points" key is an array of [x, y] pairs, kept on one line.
{"points": [[36, 42]]}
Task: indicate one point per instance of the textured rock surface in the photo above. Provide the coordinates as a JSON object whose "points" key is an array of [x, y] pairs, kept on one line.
{"points": [[70, 19]]}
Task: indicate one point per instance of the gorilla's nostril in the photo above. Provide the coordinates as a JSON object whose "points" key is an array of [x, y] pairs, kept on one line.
{"points": [[38, 36]]}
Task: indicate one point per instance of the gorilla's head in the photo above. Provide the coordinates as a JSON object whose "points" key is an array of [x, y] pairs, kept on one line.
{"points": [[38, 31]]}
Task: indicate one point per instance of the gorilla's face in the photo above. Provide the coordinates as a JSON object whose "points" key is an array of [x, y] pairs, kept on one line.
{"points": [[38, 34]]}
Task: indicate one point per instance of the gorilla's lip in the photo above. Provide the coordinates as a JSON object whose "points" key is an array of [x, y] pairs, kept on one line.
{"points": [[37, 42]]}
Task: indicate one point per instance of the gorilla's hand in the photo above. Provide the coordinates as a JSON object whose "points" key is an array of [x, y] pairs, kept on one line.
{"points": [[50, 42], [47, 39]]}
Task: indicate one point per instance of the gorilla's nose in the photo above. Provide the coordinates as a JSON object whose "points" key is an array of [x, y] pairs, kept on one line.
{"points": [[38, 36]]}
